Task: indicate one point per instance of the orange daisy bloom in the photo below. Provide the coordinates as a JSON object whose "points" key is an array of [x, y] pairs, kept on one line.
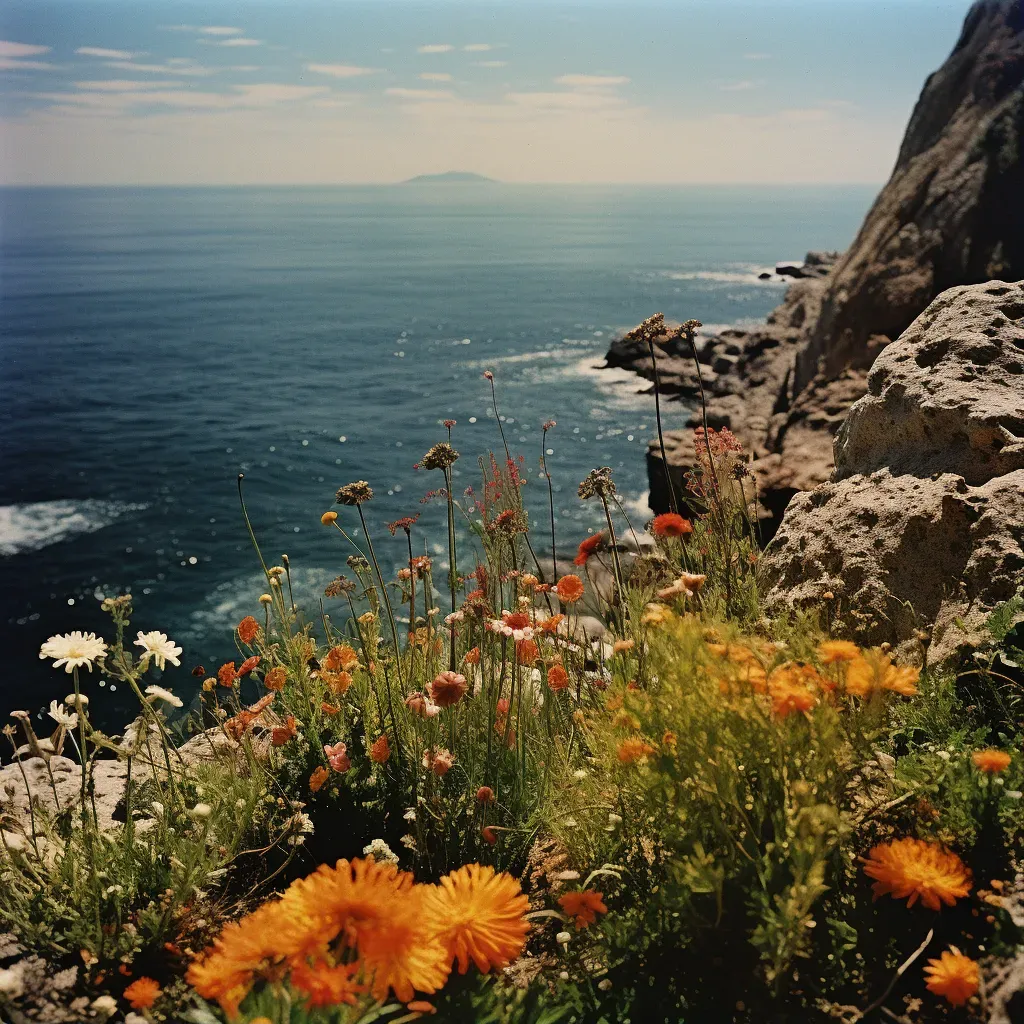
{"points": [[281, 734], [247, 629], [992, 762], [247, 666], [318, 778], [671, 524], [479, 915], [873, 670], [569, 589], [632, 750], [527, 651], [953, 976], [550, 625], [377, 911], [143, 993], [584, 906], [472, 657], [913, 869], [832, 652], [558, 678], [380, 751], [589, 546], [226, 673], [342, 658]]}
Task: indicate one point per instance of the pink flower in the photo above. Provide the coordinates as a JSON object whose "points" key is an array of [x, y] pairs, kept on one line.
{"points": [[337, 758], [420, 704]]}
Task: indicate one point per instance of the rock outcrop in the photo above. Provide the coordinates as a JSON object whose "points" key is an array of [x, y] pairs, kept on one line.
{"points": [[921, 531], [952, 213]]}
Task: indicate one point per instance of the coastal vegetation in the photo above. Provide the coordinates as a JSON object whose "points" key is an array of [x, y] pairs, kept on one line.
{"points": [[506, 788]]}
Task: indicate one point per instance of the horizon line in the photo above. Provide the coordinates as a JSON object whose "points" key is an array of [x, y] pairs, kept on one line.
{"points": [[455, 184]]}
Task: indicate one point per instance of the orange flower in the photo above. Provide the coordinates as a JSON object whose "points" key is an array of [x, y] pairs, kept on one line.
{"points": [[832, 652], [480, 916], [588, 547], [472, 657], [329, 709], [914, 869], [621, 646], [247, 629], [569, 589], [276, 678], [326, 986], [447, 689], [281, 734], [873, 670], [583, 905], [488, 835], [226, 674], [380, 751], [248, 665], [337, 682], [438, 761], [527, 651], [632, 750], [953, 976], [485, 795], [550, 625], [318, 778], [558, 678], [787, 689], [341, 657], [669, 740], [421, 1006], [142, 993], [671, 524], [992, 762], [378, 912]]}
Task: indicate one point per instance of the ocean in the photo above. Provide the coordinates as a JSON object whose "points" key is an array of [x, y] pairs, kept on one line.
{"points": [[156, 342]]}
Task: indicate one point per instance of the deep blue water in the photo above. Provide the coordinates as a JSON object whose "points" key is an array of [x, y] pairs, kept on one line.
{"points": [[155, 342]]}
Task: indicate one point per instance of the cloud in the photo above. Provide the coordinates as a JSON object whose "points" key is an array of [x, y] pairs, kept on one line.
{"points": [[435, 48], [175, 66], [565, 100], [757, 56], [490, 63], [122, 85], [341, 70], [436, 76], [264, 95], [99, 51], [419, 94], [239, 41], [591, 81], [269, 92], [221, 30], [10, 64], [743, 86], [9, 49], [477, 47]]}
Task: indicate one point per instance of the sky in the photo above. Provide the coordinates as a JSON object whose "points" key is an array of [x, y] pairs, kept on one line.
{"points": [[353, 91]]}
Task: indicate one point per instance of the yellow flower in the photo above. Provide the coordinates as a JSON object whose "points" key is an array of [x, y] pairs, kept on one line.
{"points": [[656, 615], [953, 976], [479, 915], [992, 762], [633, 750], [914, 869]]}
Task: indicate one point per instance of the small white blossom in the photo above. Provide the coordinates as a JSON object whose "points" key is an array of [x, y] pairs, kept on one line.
{"points": [[61, 717], [299, 825], [159, 693], [604, 984], [155, 645], [380, 852], [410, 814], [105, 1005], [12, 981], [73, 650], [563, 938], [201, 811], [563, 975]]}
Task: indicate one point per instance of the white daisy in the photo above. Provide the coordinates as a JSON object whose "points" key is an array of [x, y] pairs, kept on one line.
{"points": [[155, 645], [74, 649], [61, 717], [159, 693]]}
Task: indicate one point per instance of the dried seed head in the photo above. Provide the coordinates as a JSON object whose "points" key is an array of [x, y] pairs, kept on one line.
{"points": [[598, 483], [441, 456], [354, 494]]}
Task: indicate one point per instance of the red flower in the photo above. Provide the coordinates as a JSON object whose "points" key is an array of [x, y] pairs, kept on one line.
{"points": [[527, 651], [488, 835], [587, 548], [558, 678], [515, 620], [569, 589], [337, 757], [248, 665], [281, 734], [226, 674], [485, 795], [447, 689], [671, 524]]}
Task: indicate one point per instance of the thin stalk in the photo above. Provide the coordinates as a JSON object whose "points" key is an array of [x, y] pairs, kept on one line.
{"points": [[452, 569], [672, 502], [551, 498]]}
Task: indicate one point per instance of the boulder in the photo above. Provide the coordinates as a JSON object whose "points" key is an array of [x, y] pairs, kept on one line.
{"points": [[922, 527]]}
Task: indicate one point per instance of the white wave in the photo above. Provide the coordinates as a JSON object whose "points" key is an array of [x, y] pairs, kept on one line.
{"points": [[747, 275], [640, 505], [34, 526], [571, 350]]}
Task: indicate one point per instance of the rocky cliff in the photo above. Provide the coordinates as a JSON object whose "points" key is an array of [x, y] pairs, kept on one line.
{"points": [[952, 213]]}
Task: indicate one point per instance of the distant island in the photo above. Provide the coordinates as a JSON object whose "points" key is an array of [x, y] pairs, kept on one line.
{"points": [[450, 178]]}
